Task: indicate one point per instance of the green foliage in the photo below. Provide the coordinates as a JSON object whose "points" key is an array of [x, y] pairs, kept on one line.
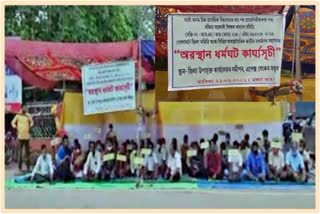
{"points": [[80, 23]]}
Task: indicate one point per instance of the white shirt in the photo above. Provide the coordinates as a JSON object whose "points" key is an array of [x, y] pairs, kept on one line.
{"points": [[174, 162], [276, 161], [295, 162], [93, 163], [150, 161], [162, 155], [236, 162], [43, 166]]}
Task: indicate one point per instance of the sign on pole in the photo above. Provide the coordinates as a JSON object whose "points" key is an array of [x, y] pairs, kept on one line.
{"points": [[108, 87], [13, 91], [224, 50]]}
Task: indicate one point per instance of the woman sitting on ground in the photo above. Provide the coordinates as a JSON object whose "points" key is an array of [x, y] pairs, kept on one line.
{"points": [[77, 159]]}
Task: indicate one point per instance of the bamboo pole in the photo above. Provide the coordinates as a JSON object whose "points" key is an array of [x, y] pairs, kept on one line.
{"points": [[297, 48]]}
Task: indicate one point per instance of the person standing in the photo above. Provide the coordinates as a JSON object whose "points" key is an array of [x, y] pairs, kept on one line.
{"points": [[23, 122]]}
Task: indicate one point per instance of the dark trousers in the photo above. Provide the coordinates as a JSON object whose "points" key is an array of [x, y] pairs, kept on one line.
{"points": [[41, 178], [63, 172], [24, 143]]}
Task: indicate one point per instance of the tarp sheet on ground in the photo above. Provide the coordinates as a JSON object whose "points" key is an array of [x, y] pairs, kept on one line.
{"points": [[43, 64]]}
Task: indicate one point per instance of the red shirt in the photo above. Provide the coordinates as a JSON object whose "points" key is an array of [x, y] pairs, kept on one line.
{"points": [[214, 162]]}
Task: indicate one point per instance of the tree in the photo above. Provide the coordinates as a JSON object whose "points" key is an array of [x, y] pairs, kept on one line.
{"points": [[80, 23]]}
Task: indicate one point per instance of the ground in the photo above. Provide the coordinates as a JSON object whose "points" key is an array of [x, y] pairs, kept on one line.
{"points": [[164, 198]]}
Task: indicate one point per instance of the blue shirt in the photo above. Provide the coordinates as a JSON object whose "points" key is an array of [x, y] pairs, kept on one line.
{"points": [[62, 153], [295, 162], [256, 164]]}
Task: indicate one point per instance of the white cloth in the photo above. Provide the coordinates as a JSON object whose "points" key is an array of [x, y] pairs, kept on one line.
{"points": [[174, 163], [151, 161], [162, 154], [93, 163], [276, 161], [236, 162], [43, 166]]}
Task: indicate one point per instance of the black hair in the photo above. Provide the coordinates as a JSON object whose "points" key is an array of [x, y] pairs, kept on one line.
{"points": [[174, 144], [215, 138], [185, 137], [202, 140], [236, 143], [65, 137], [94, 149], [254, 143], [43, 146], [247, 137], [110, 126], [265, 133], [228, 135], [223, 146]]}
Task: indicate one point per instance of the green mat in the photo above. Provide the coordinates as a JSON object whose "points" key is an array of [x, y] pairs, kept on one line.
{"points": [[126, 184]]}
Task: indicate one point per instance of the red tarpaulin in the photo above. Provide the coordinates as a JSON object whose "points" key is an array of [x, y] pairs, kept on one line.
{"points": [[163, 11], [43, 64]]}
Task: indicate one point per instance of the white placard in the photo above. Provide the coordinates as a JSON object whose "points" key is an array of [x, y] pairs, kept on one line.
{"points": [[224, 50], [108, 87], [13, 91]]}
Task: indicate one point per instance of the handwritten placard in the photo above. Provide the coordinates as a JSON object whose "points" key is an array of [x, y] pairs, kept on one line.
{"points": [[204, 145], [233, 155], [297, 137], [55, 141], [87, 136], [276, 144], [108, 157], [146, 152], [191, 152], [122, 158], [138, 161], [224, 50]]}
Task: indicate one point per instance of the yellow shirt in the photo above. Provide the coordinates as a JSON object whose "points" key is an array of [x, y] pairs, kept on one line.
{"points": [[22, 122]]}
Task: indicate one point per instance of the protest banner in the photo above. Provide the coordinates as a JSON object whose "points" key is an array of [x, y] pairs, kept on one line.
{"points": [[108, 87], [138, 161], [13, 91], [224, 50]]}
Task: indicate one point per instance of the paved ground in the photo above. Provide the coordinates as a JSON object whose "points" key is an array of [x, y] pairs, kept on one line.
{"points": [[215, 198]]}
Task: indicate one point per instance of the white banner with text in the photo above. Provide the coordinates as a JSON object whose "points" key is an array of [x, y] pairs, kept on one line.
{"points": [[224, 50]]}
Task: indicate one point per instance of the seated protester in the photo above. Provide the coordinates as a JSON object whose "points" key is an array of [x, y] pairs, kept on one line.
{"points": [[174, 164], [43, 170], [77, 160], [265, 144], [255, 164], [133, 154], [195, 163], [161, 156], [108, 169], [276, 164], [121, 166], [305, 154], [151, 163], [245, 151], [224, 156], [296, 170], [63, 161], [184, 148], [214, 162], [92, 166], [235, 164]]}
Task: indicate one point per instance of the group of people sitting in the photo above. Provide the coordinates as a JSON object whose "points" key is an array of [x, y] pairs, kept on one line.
{"points": [[259, 160]]}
